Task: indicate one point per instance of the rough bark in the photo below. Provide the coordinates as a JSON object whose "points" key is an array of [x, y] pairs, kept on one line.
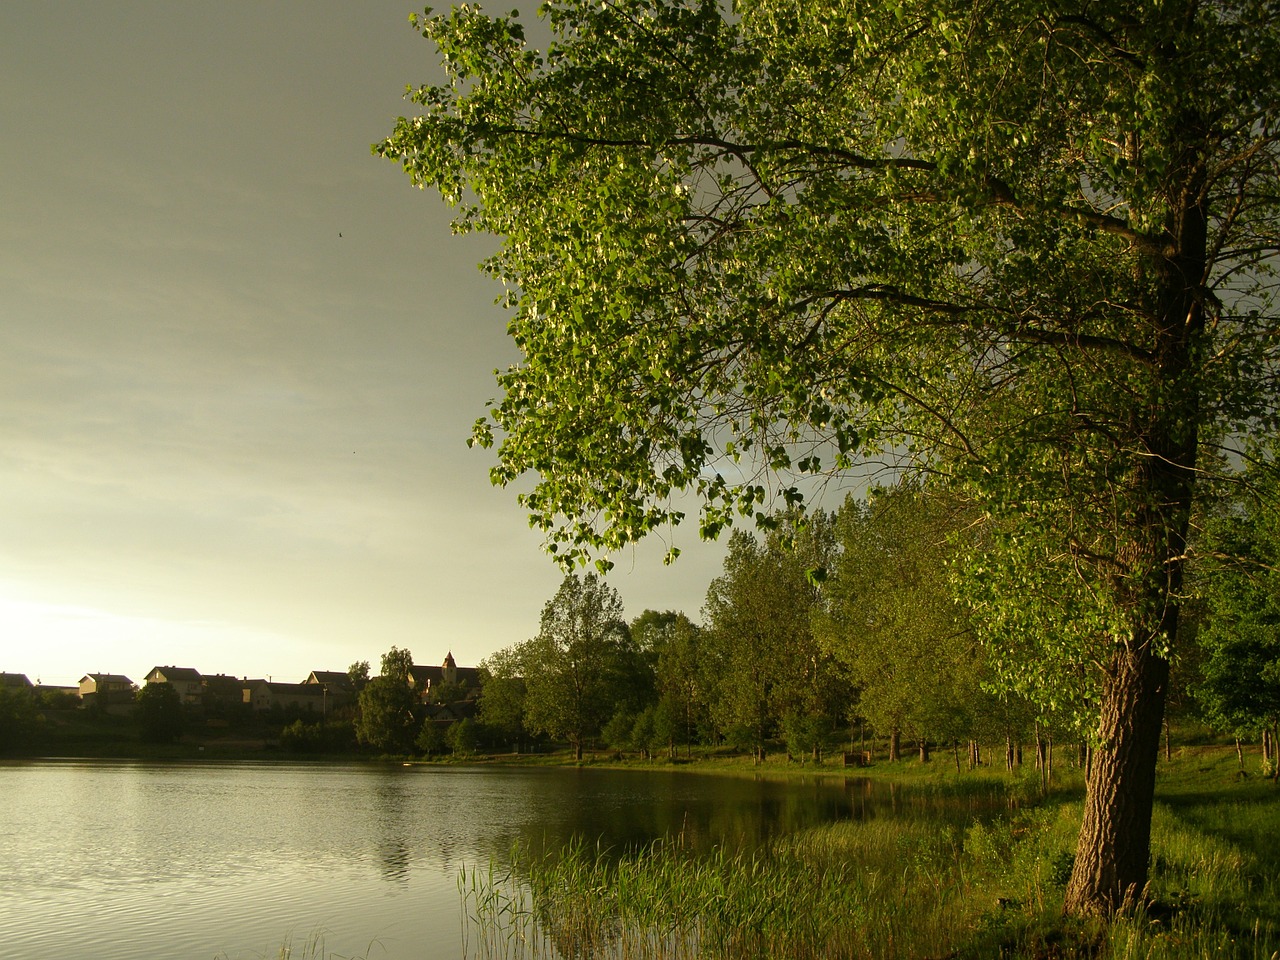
{"points": [[1110, 871]]}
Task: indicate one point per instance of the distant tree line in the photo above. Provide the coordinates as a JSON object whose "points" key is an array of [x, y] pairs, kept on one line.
{"points": [[870, 624]]}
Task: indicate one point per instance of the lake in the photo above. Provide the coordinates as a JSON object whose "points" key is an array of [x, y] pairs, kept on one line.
{"points": [[115, 860]]}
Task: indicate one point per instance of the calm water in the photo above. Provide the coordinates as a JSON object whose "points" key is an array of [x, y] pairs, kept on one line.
{"points": [[110, 860]]}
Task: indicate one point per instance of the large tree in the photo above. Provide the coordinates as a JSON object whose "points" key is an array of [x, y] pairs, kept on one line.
{"points": [[386, 720], [759, 643], [582, 666], [1026, 246]]}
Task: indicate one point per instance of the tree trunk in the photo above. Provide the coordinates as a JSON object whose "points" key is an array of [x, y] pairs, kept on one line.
{"points": [[1240, 754], [924, 750], [1110, 870], [895, 745]]}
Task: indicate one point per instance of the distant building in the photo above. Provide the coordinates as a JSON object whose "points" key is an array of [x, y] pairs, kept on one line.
{"points": [[112, 692], [448, 679], [222, 694], [303, 697], [15, 681], [185, 680], [337, 685]]}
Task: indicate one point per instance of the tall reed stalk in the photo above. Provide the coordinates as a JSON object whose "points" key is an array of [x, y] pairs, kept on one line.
{"points": [[888, 889]]}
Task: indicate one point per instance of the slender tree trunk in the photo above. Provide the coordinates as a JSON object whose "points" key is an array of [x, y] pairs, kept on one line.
{"points": [[1239, 754], [895, 745], [924, 750]]}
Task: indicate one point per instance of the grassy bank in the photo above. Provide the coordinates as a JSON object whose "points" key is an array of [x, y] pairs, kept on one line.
{"points": [[886, 888]]}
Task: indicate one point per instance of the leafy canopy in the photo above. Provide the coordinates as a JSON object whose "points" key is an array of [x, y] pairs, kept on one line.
{"points": [[769, 242]]}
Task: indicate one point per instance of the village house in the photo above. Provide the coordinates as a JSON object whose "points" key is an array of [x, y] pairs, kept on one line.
{"points": [[303, 697], [15, 681], [111, 692], [185, 680], [337, 685], [222, 694]]}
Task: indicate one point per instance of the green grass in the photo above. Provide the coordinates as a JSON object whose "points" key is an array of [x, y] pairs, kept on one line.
{"points": [[901, 888]]}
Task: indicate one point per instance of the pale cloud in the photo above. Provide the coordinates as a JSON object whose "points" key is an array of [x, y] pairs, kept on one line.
{"points": [[225, 431]]}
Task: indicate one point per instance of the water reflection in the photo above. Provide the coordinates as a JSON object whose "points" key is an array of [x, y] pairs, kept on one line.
{"points": [[100, 856]]}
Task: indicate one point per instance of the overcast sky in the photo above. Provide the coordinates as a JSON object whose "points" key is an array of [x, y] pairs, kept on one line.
{"points": [[240, 357]]}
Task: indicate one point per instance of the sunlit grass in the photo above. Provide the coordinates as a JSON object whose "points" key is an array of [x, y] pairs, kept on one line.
{"points": [[903, 888]]}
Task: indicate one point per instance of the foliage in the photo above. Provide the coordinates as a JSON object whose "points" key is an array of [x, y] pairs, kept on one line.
{"points": [[330, 736], [359, 674], [464, 737], [759, 644], [677, 647], [1240, 673], [160, 713], [890, 614], [581, 665], [397, 664], [431, 738], [18, 717], [502, 697], [1028, 249], [386, 720]]}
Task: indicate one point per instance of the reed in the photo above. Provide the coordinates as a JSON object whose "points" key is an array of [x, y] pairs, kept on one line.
{"points": [[892, 888]]}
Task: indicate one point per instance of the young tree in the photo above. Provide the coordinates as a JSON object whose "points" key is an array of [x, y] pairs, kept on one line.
{"points": [[579, 667], [890, 615], [1239, 687], [1026, 247], [674, 644], [502, 696], [759, 633]]}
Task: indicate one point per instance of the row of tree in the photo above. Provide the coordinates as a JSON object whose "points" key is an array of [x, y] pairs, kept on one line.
{"points": [[877, 619]]}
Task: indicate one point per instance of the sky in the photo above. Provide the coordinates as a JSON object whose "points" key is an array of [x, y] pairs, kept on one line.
{"points": [[240, 357]]}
